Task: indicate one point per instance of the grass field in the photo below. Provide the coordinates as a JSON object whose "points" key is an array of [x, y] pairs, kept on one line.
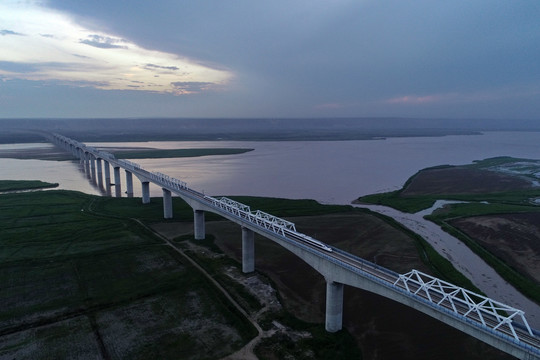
{"points": [[17, 185], [106, 285]]}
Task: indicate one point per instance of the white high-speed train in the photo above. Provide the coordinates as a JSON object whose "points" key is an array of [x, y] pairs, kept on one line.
{"points": [[312, 241]]}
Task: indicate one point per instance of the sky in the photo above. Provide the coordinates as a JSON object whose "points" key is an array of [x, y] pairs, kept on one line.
{"points": [[270, 59]]}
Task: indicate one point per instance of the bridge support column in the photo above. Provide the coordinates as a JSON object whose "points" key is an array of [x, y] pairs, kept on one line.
{"points": [[87, 163], [198, 225], [129, 184], [145, 192], [334, 306], [93, 168], [99, 172], [248, 250], [117, 183], [107, 177], [167, 204]]}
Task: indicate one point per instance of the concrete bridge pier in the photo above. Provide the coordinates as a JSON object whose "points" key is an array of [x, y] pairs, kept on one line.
{"points": [[87, 163], [167, 204], [82, 156], [198, 224], [145, 192], [117, 183], [129, 183], [107, 177], [334, 306], [93, 168], [99, 173], [248, 250]]}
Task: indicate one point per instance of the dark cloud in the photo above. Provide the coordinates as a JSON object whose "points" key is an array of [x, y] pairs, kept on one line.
{"points": [[153, 66], [9, 32], [191, 86], [103, 42]]}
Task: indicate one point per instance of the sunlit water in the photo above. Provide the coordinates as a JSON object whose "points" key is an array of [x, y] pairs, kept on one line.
{"points": [[335, 172]]}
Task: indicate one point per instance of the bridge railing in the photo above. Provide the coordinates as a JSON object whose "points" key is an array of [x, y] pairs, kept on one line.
{"points": [[168, 181]]}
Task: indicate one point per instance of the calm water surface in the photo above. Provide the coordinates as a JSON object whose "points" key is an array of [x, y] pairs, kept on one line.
{"points": [[334, 172]]}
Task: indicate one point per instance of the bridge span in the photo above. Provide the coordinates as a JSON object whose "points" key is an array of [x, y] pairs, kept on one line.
{"points": [[488, 320]]}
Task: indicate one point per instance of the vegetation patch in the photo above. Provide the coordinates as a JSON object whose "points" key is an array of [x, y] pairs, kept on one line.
{"points": [[503, 180], [65, 339], [291, 207], [313, 343], [508, 242], [18, 185]]}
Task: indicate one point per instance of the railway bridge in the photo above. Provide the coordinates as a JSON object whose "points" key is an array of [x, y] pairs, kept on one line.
{"points": [[488, 320]]}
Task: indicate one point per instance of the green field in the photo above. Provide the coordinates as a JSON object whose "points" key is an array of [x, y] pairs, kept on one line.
{"points": [[17, 185], [105, 285], [83, 275]]}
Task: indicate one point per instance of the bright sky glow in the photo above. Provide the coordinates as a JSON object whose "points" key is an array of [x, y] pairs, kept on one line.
{"points": [[41, 44]]}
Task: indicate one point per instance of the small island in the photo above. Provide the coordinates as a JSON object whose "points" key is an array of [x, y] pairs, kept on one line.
{"points": [[143, 153], [56, 154]]}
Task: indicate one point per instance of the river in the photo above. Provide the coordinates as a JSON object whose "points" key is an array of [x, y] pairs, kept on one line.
{"points": [[331, 172]]}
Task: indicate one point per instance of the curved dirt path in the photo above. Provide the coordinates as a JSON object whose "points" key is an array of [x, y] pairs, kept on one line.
{"points": [[245, 353]]}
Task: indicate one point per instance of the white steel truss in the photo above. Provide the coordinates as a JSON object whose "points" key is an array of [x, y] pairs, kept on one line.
{"points": [[258, 217], [490, 313]]}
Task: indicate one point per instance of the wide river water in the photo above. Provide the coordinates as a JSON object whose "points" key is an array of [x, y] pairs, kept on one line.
{"points": [[332, 172]]}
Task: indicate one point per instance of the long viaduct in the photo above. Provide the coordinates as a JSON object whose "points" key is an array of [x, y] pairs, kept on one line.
{"points": [[488, 320]]}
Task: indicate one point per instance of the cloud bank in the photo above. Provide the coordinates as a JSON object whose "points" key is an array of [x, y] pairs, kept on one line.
{"points": [[41, 44]]}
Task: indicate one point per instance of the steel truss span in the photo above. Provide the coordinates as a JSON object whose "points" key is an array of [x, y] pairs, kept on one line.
{"points": [[489, 312], [258, 217], [473, 309]]}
